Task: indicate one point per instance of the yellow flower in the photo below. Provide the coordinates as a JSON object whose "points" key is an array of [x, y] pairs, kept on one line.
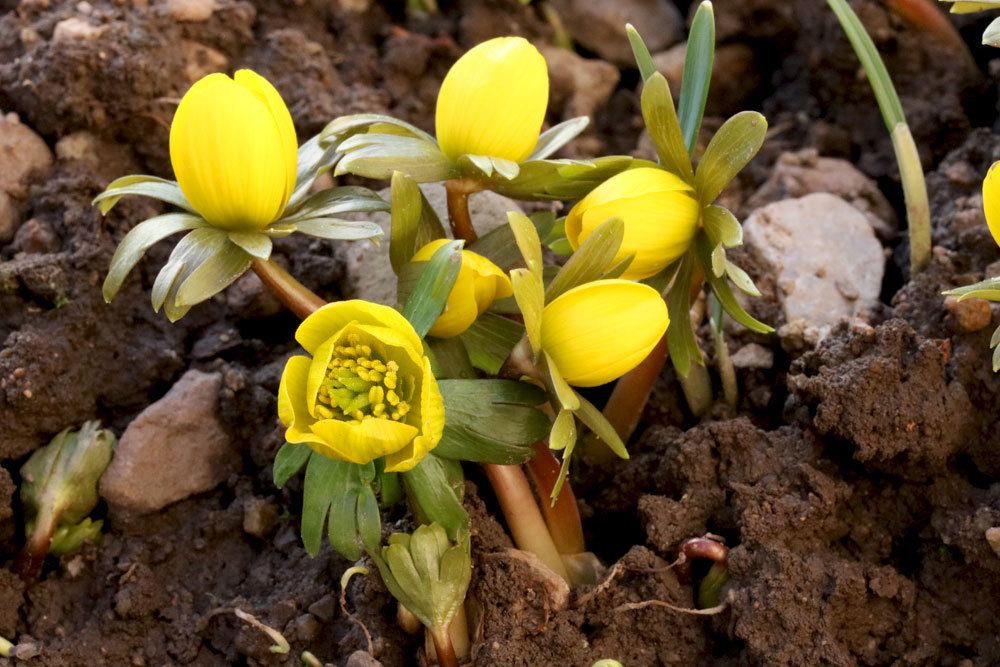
{"points": [[480, 282], [233, 149], [991, 200], [366, 392], [660, 214], [492, 101], [597, 332]]}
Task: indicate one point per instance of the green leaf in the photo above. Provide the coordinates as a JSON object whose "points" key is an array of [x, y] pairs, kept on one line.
{"points": [[146, 186], [664, 129], [429, 296], [722, 226], [369, 519], [334, 202], [212, 275], [254, 244], [407, 206], [643, 60], [313, 160], [557, 136], [348, 125], [379, 155], [698, 62], [601, 427], [732, 147], [473, 393], [723, 293], [460, 443], [719, 260], [988, 289], [450, 360], [343, 530], [741, 279], [499, 245], [567, 398], [680, 337], [139, 239], [561, 179], [530, 296], [428, 488], [590, 261], [339, 230], [490, 340], [563, 437], [325, 477], [196, 248], [500, 410], [528, 241], [289, 461]]}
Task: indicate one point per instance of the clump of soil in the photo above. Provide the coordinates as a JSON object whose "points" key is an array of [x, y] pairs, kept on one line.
{"points": [[854, 482]]}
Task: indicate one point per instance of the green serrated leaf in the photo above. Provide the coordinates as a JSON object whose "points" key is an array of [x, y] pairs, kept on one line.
{"points": [[698, 62], [288, 462], [732, 147], [430, 294], [590, 261], [145, 186], [490, 340], [664, 128]]}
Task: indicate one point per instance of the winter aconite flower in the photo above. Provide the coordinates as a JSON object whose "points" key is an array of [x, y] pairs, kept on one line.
{"points": [[991, 200], [659, 210], [233, 149], [597, 332], [492, 101], [480, 282], [367, 391]]}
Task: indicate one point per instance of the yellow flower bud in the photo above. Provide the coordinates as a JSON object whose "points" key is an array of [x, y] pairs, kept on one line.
{"points": [[234, 152], [480, 282], [660, 214], [597, 332], [492, 101], [367, 391], [991, 200]]}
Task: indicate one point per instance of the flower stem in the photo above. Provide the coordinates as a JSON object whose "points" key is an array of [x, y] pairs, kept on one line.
{"points": [[697, 387], [563, 517], [458, 192], [30, 560], [294, 295], [524, 519], [444, 648]]}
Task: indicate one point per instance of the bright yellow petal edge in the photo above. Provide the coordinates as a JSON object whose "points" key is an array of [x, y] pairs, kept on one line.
{"points": [[493, 100], [991, 200], [234, 151], [368, 391], [599, 331]]}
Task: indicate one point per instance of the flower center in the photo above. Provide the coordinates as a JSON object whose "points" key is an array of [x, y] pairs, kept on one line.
{"points": [[359, 385]]}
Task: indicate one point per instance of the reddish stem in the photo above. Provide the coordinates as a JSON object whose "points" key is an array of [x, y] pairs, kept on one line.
{"points": [[562, 518], [444, 648], [458, 192]]}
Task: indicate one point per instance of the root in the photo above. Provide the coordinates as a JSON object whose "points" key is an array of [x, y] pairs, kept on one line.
{"points": [[345, 579]]}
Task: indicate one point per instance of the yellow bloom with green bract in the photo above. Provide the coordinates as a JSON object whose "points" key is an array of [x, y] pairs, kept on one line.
{"points": [[480, 282], [234, 151], [991, 200], [597, 332], [658, 208], [366, 392], [492, 101]]}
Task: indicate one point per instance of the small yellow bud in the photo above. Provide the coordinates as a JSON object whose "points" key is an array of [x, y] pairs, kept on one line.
{"points": [[480, 282], [991, 200], [597, 332], [234, 151], [492, 101], [659, 211]]}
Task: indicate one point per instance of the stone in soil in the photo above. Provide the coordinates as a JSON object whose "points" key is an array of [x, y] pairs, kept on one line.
{"points": [[969, 315], [173, 449], [24, 157], [823, 257], [579, 86], [599, 25]]}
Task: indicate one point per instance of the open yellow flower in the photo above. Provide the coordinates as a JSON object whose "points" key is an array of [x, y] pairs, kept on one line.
{"points": [[991, 200], [367, 391], [233, 150], [492, 101], [597, 332], [480, 282], [660, 214]]}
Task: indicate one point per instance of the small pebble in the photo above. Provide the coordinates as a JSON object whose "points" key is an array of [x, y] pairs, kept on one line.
{"points": [[968, 316]]}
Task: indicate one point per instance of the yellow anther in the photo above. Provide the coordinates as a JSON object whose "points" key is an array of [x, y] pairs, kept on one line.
{"points": [[392, 366], [376, 395], [366, 350], [358, 415], [390, 380], [324, 412], [378, 365], [403, 408], [378, 410], [374, 376], [363, 374], [392, 397], [364, 362], [395, 416]]}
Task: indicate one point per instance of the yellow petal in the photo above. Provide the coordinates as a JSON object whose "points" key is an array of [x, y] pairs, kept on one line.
{"points": [[229, 147], [431, 426], [267, 93], [293, 410], [599, 331], [361, 442], [318, 367], [492, 101], [659, 212], [991, 200], [333, 317]]}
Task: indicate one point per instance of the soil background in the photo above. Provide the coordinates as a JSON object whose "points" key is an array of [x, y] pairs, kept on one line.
{"points": [[854, 482]]}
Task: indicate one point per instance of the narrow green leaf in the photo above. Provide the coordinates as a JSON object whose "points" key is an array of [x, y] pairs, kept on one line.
{"points": [[289, 461], [698, 62], [557, 136], [741, 279], [684, 349], [313, 160], [254, 244], [407, 205], [428, 488], [996, 359], [664, 129], [563, 431], [145, 186], [616, 270], [336, 229], [995, 338], [323, 477], [342, 528], [568, 445], [490, 340], [212, 275], [528, 241], [530, 296], [369, 519], [334, 202], [568, 399], [590, 261], [139, 239], [429, 296], [377, 156], [719, 260], [188, 255], [723, 293], [643, 60], [988, 289], [732, 147], [505, 168], [349, 125], [499, 245], [601, 427]]}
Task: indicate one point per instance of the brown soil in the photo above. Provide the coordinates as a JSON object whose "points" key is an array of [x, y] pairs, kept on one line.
{"points": [[854, 482]]}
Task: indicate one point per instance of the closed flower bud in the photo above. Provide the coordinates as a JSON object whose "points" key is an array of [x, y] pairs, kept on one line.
{"points": [[660, 214], [991, 200], [367, 391], [480, 282], [234, 151], [492, 101], [597, 332]]}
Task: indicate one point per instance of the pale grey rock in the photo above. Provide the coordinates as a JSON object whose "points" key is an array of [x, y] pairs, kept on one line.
{"points": [[823, 256], [173, 449], [753, 356]]}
